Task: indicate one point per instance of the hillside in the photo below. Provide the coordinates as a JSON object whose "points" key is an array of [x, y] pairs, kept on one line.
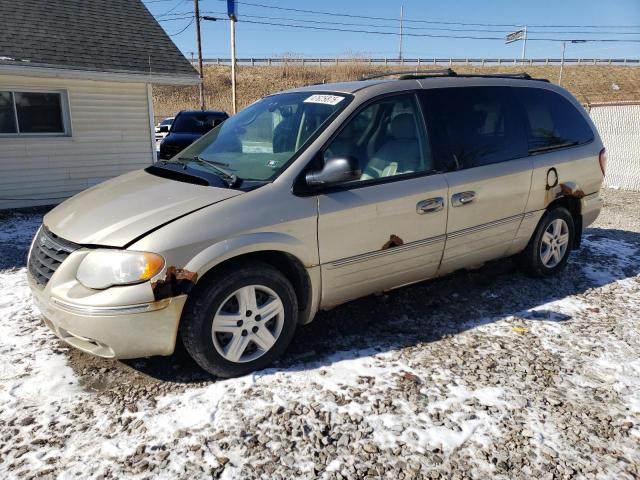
{"points": [[590, 84]]}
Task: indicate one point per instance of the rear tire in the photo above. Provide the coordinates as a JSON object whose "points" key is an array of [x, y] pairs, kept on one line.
{"points": [[548, 250], [240, 320]]}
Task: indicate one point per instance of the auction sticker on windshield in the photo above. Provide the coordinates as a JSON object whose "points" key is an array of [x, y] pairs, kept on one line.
{"points": [[325, 99]]}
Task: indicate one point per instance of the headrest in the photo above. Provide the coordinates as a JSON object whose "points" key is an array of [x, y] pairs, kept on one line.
{"points": [[476, 120], [403, 126]]}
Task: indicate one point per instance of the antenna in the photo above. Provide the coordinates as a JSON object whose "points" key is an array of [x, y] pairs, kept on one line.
{"points": [[401, 19]]}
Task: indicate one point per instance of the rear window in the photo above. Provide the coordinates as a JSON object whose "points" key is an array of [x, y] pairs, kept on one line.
{"points": [[196, 122], [473, 126], [552, 121]]}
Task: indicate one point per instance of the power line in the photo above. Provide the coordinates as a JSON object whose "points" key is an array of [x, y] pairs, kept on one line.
{"points": [[446, 29], [334, 14], [184, 29], [428, 35], [187, 17], [171, 9], [375, 32], [173, 14]]}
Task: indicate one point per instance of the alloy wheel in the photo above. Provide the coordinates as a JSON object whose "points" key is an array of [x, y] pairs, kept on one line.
{"points": [[554, 243], [248, 323]]}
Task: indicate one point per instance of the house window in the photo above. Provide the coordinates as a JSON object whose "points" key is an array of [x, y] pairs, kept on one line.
{"points": [[34, 113]]}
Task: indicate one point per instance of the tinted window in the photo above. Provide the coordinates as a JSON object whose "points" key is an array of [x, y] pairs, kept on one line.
{"points": [[39, 112], [36, 113], [7, 116], [196, 122], [387, 138], [474, 126], [552, 121]]}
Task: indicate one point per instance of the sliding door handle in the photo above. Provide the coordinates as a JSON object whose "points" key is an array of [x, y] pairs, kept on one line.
{"points": [[462, 198], [430, 205]]}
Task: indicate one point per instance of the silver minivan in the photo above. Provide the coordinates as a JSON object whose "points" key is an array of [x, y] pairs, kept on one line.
{"points": [[313, 197]]}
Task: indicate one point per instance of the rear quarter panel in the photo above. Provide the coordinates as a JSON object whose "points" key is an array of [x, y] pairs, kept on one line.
{"points": [[577, 168]]}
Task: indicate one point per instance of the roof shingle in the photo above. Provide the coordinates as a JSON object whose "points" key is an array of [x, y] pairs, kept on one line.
{"points": [[95, 35]]}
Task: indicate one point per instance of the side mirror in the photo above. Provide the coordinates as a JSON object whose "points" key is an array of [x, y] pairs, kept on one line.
{"points": [[335, 170], [164, 128]]}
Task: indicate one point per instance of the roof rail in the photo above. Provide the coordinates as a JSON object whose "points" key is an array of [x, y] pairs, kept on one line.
{"points": [[522, 76], [407, 74], [447, 72]]}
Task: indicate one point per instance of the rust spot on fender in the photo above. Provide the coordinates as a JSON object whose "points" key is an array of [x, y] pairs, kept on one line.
{"points": [[566, 189], [176, 281], [570, 189], [394, 241]]}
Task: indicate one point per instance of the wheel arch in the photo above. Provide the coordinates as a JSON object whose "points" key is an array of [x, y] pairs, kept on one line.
{"points": [[573, 205], [280, 251]]}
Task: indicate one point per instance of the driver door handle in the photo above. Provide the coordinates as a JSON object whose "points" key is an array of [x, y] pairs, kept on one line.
{"points": [[430, 205], [462, 198]]}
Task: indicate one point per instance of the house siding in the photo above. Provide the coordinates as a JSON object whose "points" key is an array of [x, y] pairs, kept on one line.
{"points": [[110, 135]]}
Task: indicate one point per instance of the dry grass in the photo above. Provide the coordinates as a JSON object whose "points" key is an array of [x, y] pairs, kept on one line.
{"points": [[590, 84]]}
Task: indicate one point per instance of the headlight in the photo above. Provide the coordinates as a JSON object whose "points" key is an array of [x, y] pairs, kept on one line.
{"points": [[104, 268]]}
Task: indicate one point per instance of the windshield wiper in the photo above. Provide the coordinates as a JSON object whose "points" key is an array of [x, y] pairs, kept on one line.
{"points": [[222, 164], [230, 178], [177, 161]]}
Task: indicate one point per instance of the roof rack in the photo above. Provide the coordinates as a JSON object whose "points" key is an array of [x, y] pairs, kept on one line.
{"points": [[448, 72], [522, 76], [405, 74]]}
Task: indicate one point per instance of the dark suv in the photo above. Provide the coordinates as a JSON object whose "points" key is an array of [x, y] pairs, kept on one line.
{"points": [[187, 127]]}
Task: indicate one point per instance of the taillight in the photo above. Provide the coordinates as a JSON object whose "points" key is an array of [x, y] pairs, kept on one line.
{"points": [[602, 158]]}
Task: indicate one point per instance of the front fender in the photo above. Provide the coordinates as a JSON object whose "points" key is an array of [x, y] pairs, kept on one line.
{"points": [[251, 243], [257, 242]]}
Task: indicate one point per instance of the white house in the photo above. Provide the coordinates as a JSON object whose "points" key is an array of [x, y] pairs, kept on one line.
{"points": [[75, 94]]}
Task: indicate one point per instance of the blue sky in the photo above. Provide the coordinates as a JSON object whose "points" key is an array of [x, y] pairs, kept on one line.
{"points": [[267, 40]]}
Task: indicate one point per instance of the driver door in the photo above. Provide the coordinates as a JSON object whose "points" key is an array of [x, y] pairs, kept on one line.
{"points": [[387, 228]]}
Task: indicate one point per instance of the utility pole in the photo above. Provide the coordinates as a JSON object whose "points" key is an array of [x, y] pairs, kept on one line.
{"points": [[564, 42], [524, 45], [196, 13], [400, 46], [564, 45], [232, 21], [233, 64]]}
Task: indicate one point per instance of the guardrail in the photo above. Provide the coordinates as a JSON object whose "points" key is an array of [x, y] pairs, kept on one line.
{"points": [[631, 62]]}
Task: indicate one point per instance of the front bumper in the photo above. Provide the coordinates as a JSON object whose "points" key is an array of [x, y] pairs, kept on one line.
{"points": [[127, 331]]}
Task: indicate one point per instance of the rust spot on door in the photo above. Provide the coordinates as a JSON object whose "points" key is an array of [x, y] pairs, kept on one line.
{"points": [[394, 241], [176, 281]]}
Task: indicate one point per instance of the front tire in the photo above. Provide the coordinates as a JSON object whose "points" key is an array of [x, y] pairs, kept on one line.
{"points": [[240, 320], [548, 250]]}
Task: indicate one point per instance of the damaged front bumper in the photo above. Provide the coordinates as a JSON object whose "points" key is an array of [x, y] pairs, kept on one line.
{"points": [[118, 322]]}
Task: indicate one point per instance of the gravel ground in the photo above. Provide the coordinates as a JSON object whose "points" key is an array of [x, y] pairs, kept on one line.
{"points": [[479, 374]]}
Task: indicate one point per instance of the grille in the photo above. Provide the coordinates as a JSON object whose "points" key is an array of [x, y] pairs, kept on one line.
{"points": [[47, 254], [168, 151]]}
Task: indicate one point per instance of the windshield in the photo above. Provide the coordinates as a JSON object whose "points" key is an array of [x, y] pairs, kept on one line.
{"points": [[167, 121], [196, 122], [257, 143]]}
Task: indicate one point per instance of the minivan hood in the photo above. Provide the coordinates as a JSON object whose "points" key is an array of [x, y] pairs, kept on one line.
{"points": [[122, 209]]}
